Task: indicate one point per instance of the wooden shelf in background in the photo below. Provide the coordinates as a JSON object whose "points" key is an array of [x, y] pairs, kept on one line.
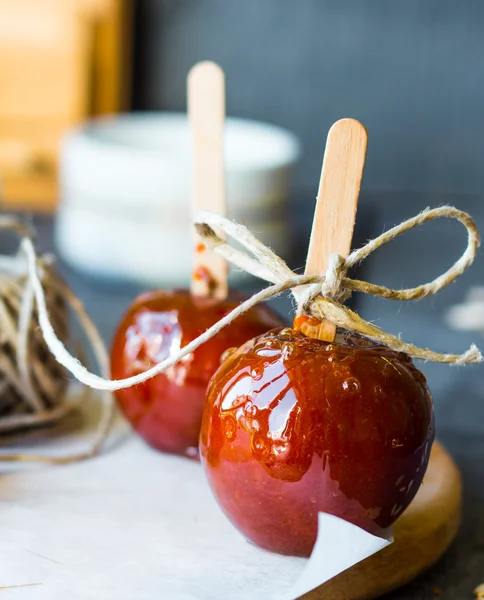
{"points": [[61, 61]]}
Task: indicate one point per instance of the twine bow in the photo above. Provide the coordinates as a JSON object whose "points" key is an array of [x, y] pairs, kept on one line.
{"points": [[316, 295], [323, 296]]}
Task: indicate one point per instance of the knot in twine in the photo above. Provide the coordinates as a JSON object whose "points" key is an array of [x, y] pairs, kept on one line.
{"points": [[320, 296], [331, 288]]}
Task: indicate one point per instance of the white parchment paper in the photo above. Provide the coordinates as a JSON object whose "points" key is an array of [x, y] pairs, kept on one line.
{"points": [[134, 524]]}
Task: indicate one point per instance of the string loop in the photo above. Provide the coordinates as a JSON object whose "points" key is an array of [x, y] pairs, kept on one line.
{"points": [[268, 266], [317, 295]]}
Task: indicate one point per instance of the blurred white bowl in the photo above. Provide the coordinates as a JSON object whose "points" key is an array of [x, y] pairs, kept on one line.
{"points": [[126, 185]]}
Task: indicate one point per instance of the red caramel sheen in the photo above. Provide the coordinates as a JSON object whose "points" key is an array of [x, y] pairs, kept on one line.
{"points": [[294, 425], [167, 409]]}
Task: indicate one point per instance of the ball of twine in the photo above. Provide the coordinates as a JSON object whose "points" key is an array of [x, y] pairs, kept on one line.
{"points": [[33, 384]]}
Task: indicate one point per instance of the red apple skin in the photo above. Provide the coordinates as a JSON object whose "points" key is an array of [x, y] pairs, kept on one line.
{"points": [[294, 426], [166, 410]]}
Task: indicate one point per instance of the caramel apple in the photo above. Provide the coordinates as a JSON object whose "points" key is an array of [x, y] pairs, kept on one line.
{"points": [[293, 426], [166, 410]]}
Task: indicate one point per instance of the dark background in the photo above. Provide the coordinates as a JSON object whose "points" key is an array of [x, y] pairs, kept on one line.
{"points": [[411, 71]]}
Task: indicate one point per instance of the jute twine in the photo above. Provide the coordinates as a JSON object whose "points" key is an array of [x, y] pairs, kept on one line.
{"points": [[318, 296], [33, 385]]}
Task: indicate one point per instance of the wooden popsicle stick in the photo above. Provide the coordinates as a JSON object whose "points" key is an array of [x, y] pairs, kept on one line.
{"points": [[335, 213], [206, 111]]}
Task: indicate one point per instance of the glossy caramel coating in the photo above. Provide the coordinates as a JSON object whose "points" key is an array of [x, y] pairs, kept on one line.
{"points": [[167, 410], [294, 425]]}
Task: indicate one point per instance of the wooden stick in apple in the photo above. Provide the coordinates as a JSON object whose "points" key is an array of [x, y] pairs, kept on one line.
{"points": [[206, 112], [335, 213], [166, 411], [295, 425]]}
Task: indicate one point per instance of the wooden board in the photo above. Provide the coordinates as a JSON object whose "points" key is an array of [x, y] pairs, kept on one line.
{"points": [[422, 534]]}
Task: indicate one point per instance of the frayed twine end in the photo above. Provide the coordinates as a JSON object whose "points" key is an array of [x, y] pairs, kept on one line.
{"points": [[473, 355]]}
